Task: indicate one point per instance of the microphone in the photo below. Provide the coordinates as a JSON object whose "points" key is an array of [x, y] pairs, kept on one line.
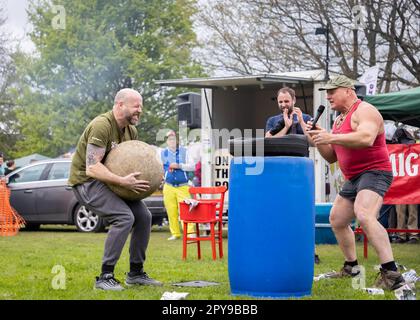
{"points": [[319, 112]]}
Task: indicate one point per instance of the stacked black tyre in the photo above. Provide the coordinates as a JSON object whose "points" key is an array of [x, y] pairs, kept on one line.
{"points": [[294, 145]]}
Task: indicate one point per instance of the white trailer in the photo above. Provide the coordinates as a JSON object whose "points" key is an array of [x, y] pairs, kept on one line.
{"points": [[241, 103]]}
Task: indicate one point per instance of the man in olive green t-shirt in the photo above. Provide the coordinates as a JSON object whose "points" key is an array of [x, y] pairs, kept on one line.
{"points": [[89, 178]]}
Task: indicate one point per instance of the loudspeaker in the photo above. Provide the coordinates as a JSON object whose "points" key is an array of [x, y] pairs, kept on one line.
{"points": [[189, 109]]}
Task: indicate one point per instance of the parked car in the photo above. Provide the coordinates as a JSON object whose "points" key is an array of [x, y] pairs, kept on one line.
{"points": [[40, 194]]}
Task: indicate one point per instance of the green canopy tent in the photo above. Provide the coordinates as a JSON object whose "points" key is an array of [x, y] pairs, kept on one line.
{"points": [[21, 162], [402, 106]]}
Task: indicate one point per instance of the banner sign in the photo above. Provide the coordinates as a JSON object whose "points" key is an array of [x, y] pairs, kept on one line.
{"points": [[405, 188], [370, 78]]}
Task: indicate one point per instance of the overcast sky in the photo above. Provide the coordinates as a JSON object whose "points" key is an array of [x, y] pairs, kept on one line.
{"points": [[17, 22]]}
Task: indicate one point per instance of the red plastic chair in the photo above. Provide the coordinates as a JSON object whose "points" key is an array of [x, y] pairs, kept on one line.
{"points": [[208, 211]]}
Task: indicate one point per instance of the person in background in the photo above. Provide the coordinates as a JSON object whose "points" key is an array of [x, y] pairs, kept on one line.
{"points": [[291, 119], [1, 165], [197, 174], [10, 167], [176, 164], [407, 218]]}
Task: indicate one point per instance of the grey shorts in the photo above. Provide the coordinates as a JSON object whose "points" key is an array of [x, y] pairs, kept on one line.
{"points": [[374, 180]]}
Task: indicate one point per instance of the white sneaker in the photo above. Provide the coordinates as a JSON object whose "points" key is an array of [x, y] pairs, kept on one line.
{"points": [[171, 238], [192, 235]]}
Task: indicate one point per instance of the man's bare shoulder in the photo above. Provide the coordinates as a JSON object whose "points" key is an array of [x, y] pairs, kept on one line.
{"points": [[366, 109], [368, 114]]}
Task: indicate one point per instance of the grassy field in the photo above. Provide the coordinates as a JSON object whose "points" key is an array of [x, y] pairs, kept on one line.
{"points": [[27, 262]]}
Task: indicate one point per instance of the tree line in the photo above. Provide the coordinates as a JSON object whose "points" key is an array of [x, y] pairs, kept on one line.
{"points": [[78, 67], [259, 36]]}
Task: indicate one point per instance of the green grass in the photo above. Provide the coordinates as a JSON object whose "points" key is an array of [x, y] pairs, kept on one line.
{"points": [[27, 261]]}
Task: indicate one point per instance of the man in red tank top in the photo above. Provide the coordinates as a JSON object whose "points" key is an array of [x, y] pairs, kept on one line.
{"points": [[357, 142]]}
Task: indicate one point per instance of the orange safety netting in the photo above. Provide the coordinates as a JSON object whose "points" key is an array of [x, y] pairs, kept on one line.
{"points": [[10, 220]]}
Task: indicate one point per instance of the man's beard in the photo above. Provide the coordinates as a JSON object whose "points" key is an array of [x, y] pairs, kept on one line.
{"points": [[289, 110], [131, 120]]}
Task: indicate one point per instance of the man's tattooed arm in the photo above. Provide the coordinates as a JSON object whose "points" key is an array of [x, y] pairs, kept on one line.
{"points": [[94, 154], [94, 166]]}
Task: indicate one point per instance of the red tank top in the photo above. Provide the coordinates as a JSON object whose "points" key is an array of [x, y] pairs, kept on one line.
{"points": [[355, 161]]}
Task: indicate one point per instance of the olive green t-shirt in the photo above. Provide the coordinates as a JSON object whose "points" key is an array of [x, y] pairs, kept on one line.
{"points": [[103, 131]]}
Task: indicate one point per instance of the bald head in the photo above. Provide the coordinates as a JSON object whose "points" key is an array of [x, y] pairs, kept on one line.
{"points": [[124, 94]]}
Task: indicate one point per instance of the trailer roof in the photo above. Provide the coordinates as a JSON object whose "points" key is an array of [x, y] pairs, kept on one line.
{"points": [[249, 80]]}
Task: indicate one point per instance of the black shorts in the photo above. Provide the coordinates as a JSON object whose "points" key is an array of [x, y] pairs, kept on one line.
{"points": [[374, 180]]}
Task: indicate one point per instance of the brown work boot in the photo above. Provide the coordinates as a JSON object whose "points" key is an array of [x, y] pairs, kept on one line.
{"points": [[389, 280], [345, 272]]}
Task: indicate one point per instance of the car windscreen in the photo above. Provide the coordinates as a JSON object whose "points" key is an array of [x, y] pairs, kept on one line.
{"points": [[28, 175], [59, 170]]}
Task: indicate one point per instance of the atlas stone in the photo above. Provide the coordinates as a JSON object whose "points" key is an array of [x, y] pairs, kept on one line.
{"points": [[135, 156]]}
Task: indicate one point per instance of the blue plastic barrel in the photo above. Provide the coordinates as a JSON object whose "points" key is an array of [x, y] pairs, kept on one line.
{"points": [[271, 227]]}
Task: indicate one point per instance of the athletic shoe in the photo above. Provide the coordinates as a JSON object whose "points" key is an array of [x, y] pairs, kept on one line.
{"points": [[171, 238], [317, 260], [346, 272], [389, 280], [141, 278], [107, 282]]}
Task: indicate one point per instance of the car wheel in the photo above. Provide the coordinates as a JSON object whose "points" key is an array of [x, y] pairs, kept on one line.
{"points": [[87, 221]]}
